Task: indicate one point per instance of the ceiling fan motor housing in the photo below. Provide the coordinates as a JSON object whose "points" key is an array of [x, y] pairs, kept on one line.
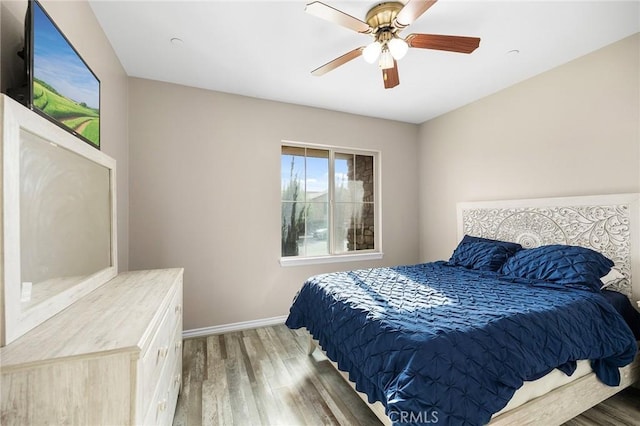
{"points": [[381, 16]]}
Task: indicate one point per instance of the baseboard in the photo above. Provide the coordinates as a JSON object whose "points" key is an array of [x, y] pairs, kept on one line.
{"points": [[236, 326]]}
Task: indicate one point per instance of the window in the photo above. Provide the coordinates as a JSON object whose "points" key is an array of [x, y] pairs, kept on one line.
{"points": [[329, 202]]}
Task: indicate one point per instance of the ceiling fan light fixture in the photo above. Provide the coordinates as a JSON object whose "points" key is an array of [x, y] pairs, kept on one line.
{"points": [[398, 48], [372, 51], [384, 22], [386, 60]]}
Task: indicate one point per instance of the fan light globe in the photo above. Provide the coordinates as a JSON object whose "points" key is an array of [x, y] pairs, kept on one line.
{"points": [[371, 52], [398, 48]]}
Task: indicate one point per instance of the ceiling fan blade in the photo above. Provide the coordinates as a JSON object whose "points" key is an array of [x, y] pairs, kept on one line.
{"points": [[458, 44], [412, 11], [341, 60], [336, 16], [390, 76]]}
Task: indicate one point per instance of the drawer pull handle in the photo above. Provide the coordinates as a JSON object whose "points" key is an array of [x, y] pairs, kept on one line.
{"points": [[162, 352], [162, 405], [178, 309]]}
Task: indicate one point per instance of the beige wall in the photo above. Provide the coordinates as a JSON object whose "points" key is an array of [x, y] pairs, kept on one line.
{"points": [[80, 26], [205, 194], [574, 130], [11, 40]]}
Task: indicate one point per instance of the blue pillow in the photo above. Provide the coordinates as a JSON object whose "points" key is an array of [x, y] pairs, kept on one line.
{"points": [[512, 248], [571, 266], [479, 255]]}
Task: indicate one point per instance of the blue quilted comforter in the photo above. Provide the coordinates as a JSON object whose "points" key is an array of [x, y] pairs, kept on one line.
{"points": [[436, 343]]}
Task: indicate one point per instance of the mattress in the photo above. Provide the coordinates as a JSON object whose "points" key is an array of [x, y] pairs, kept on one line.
{"points": [[554, 379]]}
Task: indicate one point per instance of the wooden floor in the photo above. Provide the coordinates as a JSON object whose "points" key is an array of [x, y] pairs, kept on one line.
{"points": [[264, 377]]}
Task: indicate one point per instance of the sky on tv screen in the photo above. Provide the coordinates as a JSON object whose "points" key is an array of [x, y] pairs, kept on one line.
{"points": [[58, 65]]}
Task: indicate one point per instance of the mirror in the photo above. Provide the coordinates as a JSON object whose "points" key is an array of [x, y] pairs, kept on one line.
{"points": [[65, 220], [59, 219]]}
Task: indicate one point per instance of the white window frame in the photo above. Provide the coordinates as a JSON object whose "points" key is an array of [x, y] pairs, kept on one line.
{"points": [[351, 256]]}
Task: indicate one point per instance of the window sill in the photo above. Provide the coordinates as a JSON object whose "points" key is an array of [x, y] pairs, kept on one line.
{"points": [[300, 261]]}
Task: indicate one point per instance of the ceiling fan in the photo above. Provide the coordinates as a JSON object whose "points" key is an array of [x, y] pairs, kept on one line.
{"points": [[384, 22]]}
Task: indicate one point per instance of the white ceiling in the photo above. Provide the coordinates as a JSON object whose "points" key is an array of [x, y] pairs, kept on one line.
{"points": [[266, 49]]}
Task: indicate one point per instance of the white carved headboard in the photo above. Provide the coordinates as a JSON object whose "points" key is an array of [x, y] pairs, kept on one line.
{"points": [[609, 224]]}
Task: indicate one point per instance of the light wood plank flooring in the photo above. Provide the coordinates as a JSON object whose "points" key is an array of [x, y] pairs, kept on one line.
{"points": [[264, 377]]}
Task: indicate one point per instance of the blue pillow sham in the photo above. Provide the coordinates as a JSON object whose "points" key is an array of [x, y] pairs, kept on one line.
{"points": [[482, 254], [511, 248], [571, 266]]}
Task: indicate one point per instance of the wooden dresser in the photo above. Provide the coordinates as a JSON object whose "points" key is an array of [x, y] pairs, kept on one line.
{"points": [[112, 358]]}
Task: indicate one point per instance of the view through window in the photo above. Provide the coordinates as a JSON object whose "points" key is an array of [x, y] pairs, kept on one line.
{"points": [[328, 201]]}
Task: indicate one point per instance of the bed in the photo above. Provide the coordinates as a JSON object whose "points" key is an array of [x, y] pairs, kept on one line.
{"points": [[458, 342]]}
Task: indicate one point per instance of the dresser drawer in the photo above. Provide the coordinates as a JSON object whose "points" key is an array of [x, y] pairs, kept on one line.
{"points": [[174, 388], [162, 348], [163, 404]]}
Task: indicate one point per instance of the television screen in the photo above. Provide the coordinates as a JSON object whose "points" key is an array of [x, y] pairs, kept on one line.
{"points": [[63, 87]]}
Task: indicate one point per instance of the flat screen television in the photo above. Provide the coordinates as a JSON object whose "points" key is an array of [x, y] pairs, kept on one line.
{"points": [[60, 85]]}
